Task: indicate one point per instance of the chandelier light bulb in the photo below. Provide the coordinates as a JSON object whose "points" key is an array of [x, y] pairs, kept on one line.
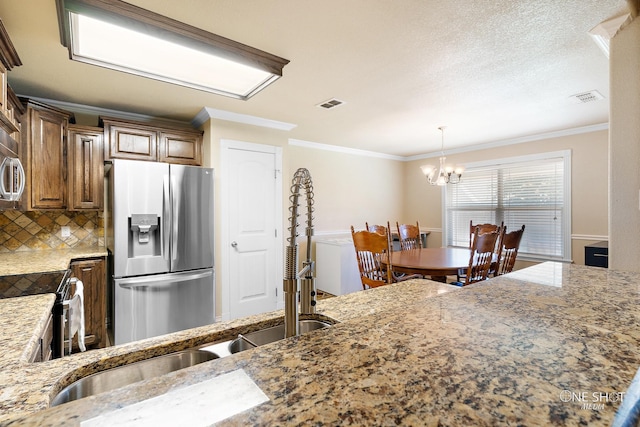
{"points": [[445, 174], [427, 169]]}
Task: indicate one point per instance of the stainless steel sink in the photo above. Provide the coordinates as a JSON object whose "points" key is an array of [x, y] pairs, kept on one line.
{"points": [[121, 376], [269, 335]]}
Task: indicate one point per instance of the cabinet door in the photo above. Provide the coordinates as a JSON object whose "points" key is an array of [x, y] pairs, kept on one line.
{"points": [[3, 89], [16, 111], [86, 168], [93, 275], [48, 159], [132, 142], [180, 147]]}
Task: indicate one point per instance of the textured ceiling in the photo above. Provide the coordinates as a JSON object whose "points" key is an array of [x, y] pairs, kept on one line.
{"points": [[489, 70]]}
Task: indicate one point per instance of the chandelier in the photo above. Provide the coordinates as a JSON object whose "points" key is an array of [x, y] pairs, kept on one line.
{"points": [[445, 174]]}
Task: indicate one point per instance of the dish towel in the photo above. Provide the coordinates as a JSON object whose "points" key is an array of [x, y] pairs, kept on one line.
{"points": [[76, 315]]}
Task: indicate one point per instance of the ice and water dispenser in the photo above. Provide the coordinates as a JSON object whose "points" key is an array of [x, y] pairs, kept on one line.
{"points": [[144, 235]]}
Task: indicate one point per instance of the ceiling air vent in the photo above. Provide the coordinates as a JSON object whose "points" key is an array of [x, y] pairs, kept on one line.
{"points": [[584, 97], [330, 103]]}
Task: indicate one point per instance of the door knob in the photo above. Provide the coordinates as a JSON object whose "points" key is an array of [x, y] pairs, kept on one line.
{"points": [[234, 244]]}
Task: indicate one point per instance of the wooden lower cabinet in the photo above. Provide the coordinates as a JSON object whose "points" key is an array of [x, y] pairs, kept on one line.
{"points": [[92, 273]]}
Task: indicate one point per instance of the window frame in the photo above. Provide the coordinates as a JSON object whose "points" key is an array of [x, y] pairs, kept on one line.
{"points": [[565, 156]]}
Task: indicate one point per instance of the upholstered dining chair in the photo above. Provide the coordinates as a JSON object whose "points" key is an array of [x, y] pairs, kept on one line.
{"points": [[509, 245], [482, 255], [374, 264], [409, 235]]}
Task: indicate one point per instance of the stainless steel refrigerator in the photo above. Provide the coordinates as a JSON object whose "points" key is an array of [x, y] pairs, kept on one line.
{"points": [[160, 239]]}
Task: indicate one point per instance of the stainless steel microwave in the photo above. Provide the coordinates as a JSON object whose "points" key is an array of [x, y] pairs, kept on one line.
{"points": [[12, 179]]}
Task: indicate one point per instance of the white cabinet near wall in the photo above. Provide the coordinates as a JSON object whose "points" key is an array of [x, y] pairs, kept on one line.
{"points": [[336, 266]]}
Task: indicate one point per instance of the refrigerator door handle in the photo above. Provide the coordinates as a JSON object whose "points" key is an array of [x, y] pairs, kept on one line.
{"points": [[159, 282], [174, 220], [166, 212]]}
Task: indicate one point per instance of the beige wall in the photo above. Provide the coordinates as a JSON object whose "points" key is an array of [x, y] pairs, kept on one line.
{"points": [[588, 177], [624, 248], [351, 189], [348, 189]]}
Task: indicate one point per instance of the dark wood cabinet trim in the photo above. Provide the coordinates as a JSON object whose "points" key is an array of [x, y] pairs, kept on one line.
{"points": [[85, 160]]}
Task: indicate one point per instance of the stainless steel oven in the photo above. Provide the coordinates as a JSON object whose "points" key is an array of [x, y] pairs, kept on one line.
{"points": [[61, 321]]}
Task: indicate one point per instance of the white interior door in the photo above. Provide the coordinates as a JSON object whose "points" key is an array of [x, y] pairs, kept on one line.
{"points": [[253, 194]]}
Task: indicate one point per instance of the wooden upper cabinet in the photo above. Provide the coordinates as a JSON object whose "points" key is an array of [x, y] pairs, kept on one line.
{"points": [[17, 111], [154, 141], [45, 139], [85, 161], [131, 142], [181, 147], [8, 59]]}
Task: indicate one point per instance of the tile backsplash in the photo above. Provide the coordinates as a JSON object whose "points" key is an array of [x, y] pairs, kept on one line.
{"points": [[36, 230]]}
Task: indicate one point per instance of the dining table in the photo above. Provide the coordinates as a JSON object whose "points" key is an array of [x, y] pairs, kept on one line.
{"points": [[435, 262]]}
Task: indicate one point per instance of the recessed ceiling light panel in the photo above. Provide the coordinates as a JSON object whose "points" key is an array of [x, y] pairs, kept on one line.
{"points": [[116, 35]]}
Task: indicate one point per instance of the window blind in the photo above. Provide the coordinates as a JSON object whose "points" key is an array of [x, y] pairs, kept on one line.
{"points": [[530, 191]]}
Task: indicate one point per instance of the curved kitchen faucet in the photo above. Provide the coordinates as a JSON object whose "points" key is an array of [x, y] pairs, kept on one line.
{"points": [[301, 178]]}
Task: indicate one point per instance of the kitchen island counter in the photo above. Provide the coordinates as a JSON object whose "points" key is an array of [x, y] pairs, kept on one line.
{"points": [[23, 321], [533, 347]]}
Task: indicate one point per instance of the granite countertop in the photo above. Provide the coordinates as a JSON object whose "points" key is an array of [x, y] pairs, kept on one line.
{"points": [[23, 321], [553, 344], [45, 260]]}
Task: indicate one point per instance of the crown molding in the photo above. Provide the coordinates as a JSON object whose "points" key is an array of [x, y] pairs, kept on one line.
{"points": [[99, 111], [345, 150], [212, 113], [207, 113], [513, 141], [606, 30]]}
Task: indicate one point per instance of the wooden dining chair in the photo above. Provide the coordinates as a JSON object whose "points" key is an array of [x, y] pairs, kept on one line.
{"points": [[409, 235], [485, 228], [509, 245], [374, 264], [482, 228], [493, 270], [482, 254], [376, 228]]}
